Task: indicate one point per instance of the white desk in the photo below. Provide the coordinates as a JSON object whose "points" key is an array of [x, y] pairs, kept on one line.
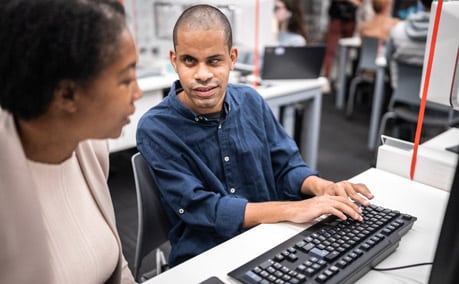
{"points": [[344, 45], [446, 139], [391, 191], [279, 93]]}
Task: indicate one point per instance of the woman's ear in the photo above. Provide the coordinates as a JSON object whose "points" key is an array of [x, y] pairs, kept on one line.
{"points": [[64, 96]]}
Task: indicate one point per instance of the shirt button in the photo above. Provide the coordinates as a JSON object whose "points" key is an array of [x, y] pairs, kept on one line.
{"points": [[196, 118], [232, 190], [226, 159], [181, 211], [219, 126]]}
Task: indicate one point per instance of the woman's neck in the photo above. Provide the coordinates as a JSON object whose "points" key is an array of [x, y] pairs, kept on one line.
{"points": [[283, 26], [45, 141]]}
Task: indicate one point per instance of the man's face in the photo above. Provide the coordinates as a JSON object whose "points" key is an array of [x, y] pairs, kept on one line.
{"points": [[203, 62]]}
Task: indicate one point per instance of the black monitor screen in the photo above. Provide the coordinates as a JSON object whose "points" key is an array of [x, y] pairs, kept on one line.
{"points": [[445, 269]]}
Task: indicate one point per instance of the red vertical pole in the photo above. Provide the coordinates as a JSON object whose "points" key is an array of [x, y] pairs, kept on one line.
{"points": [[425, 88]]}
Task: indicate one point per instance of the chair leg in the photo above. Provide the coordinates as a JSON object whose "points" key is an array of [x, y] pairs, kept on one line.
{"points": [[382, 127], [160, 261], [352, 92]]}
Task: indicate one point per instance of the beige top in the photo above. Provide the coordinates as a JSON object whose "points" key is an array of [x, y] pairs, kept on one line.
{"points": [[83, 248]]}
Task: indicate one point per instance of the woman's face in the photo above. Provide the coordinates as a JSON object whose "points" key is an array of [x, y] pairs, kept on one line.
{"points": [[105, 104], [281, 12]]}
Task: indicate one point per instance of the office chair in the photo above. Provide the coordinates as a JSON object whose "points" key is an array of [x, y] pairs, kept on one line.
{"points": [[365, 71], [153, 225], [405, 102]]}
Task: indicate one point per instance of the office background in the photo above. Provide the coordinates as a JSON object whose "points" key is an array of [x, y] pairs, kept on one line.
{"points": [[342, 152]]}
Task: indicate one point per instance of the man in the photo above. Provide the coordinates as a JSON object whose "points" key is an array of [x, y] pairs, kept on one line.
{"points": [[222, 162], [407, 41]]}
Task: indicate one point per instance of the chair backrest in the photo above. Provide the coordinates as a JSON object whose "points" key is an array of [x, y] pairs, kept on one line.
{"points": [[408, 84], [408, 88], [153, 225], [368, 54]]}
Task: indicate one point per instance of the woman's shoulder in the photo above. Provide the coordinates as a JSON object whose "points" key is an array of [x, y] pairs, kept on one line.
{"points": [[290, 39]]}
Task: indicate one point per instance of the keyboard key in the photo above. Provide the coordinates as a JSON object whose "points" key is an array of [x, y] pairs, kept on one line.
{"points": [[292, 257], [266, 264], [342, 263], [331, 256], [251, 277], [321, 278], [319, 253]]}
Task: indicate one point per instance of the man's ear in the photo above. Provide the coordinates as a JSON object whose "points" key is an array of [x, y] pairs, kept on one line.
{"points": [[172, 59], [233, 56], [65, 96]]}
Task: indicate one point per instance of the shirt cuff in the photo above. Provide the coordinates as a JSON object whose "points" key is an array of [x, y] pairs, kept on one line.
{"points": [[296, 178], [230, 216]]}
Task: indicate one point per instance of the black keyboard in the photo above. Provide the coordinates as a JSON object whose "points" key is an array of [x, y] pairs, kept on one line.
{"points": [[330, 251]]}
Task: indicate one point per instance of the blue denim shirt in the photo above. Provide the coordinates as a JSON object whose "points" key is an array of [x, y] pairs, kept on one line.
{"points": [[208, 169]]}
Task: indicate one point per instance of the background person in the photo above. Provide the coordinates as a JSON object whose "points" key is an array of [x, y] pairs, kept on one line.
{"points": [[290, 27], [221, 160], [67, 76], [381, 24], [407, 41], [342, 23]]}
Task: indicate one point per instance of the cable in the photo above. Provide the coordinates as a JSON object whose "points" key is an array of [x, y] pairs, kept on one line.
{"points": [[402, 267]]}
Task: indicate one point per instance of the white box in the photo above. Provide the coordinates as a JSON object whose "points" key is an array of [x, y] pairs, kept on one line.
{"points": [[434, 166]]}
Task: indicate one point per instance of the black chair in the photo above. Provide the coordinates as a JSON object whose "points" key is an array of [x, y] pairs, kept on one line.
{"points": [[405, 102], [153, 225], [365, 71]]}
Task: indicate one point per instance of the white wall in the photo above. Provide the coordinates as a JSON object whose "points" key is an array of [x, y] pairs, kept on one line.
{"points": [[152, 21]]}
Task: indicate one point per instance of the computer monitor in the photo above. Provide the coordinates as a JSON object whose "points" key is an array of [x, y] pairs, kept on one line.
{"points": [[445, 268], [444, 76], [443, 89]]}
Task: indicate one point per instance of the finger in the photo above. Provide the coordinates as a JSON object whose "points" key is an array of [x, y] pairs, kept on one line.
{"points": [[344, 205], [360, 193], [355, 192], [337, 213], [364, 190]]}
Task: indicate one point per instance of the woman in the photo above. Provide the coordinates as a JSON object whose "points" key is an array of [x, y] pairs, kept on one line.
{"points": [[290, 25], [67, 76]]}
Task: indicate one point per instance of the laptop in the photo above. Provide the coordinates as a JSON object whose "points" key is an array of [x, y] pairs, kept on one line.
{"points": [[292, 62]]}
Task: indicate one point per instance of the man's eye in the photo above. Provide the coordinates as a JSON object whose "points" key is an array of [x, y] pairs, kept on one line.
{"points": [[214, 61], [188, 60]]}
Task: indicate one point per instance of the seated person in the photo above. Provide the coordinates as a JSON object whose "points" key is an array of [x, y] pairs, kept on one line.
{"points": [[67, 82], [289, 23], [221, 160], [407, 41], [380, 25]]}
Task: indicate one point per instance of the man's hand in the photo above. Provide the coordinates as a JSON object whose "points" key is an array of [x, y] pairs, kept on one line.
{"points": [[329, 198]]}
